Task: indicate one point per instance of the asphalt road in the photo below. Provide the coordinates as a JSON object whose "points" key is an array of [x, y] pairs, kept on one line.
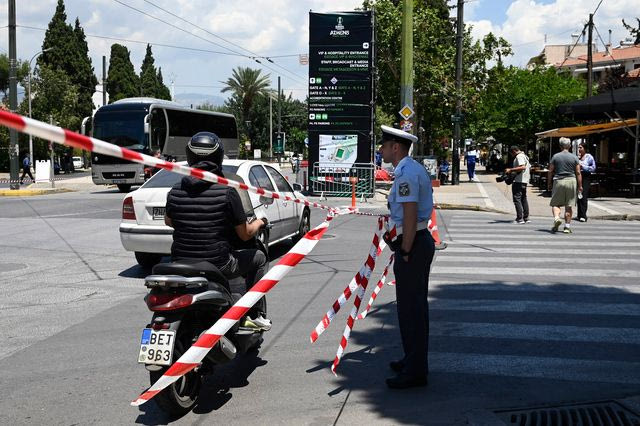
{"points": [[519, 317]]}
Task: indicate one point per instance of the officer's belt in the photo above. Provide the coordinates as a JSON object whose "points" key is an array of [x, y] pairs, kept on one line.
{"points": [[420, 227]]}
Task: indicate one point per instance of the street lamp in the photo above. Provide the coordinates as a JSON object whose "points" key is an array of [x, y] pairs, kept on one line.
{"points": [[29, 89]]}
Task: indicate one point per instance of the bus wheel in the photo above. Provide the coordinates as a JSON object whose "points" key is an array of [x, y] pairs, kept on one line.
{"points": [[124, 187]]}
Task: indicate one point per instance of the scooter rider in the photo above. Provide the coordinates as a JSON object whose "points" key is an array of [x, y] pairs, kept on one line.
{"points": [[205, 216]]}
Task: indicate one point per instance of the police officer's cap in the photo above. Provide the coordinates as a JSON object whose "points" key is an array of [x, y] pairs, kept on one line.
{"points": [[397, 135]]}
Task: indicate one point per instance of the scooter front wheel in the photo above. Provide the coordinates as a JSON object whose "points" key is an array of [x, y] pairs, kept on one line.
{"points": [[178, 398]]}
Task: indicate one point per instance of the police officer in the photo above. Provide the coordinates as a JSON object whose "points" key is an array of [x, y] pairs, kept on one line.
{"points": [[410, 206]]}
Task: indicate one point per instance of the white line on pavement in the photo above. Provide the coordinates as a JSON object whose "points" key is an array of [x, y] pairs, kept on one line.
{"points": [[487, 199], [603, 208]]}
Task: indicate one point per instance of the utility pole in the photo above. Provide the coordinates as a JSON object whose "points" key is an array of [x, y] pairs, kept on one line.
{"points": [[280, 120], [14, 149], [104, 80], [270, 126], [590, 57], [455, 170], [406, 67]]}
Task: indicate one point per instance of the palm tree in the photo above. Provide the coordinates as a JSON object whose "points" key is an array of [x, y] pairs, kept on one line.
{"points": [[246, 84]]}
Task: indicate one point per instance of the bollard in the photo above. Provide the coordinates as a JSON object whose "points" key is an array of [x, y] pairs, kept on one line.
{"points": [[304, 180], [353, 180]]}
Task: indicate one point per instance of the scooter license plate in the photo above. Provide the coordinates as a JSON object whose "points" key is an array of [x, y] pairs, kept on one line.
{"points": [[156, 347]]}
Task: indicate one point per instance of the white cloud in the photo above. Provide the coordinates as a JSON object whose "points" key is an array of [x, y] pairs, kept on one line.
{"points": [[528, 21]]}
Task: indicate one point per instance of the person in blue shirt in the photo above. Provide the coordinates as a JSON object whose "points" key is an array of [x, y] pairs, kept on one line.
{"points": [[410, 205], [444, 171], [587, 167], [26, 168]]}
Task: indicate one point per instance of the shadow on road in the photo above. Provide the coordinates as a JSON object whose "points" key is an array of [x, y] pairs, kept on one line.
{"points": [[497, 346], [216, 390]]}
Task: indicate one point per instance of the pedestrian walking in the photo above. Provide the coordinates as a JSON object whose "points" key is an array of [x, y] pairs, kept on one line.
{"points": [[471, 157], [587, 167], [519, 186], [410, 205], [26, 168], [564, 168]]}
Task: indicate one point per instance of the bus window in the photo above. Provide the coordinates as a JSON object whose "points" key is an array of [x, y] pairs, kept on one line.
{"points": [[158, 130], [122, 128]]}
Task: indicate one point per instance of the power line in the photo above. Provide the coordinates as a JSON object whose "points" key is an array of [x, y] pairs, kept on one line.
{"points": [[573, 47], [221, 38], [195, 35], [145, 42], [597, 7]]}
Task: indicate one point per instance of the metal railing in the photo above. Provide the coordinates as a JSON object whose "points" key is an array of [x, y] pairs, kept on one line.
{"points": [[335, 180]]}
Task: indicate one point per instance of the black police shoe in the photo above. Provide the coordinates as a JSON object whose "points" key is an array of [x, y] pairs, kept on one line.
{"points": [[405, 381], [397, 366]]}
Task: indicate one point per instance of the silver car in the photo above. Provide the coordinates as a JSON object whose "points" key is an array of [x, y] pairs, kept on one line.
{"points": [[143, 231]]}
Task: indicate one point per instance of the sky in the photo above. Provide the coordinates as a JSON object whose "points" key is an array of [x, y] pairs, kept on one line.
{"points": [[279, 28]]}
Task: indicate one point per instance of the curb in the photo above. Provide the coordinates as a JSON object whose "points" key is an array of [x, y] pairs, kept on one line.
{"points": [[447, 206], [31, 192]]}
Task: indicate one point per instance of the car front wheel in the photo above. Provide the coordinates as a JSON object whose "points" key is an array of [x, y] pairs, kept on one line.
{"points": [[305, 226]]}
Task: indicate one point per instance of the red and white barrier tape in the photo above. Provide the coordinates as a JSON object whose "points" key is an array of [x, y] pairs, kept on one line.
{"points": [[379, 286], [66, 137], [196, 353], [371, 264], [347, 292]]}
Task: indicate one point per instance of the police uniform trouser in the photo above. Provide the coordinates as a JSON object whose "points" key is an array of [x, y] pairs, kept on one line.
{"points": [[412, 282]]}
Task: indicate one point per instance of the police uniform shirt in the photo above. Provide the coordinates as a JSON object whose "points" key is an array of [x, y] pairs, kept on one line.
{"points": [[411, 184]]}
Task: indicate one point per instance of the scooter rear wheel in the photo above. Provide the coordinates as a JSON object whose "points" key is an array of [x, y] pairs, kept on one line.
{"points": [[178, 398]]}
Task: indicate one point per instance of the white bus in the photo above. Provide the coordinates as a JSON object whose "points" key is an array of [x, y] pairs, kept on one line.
{"points": [[149, 125]]}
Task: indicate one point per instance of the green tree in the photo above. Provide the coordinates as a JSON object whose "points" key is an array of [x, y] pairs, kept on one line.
{"points": [[55, 98], [246, 85], [635, 32], [22, 73], [517, 103], [67, 50], [83, 76], [122, 81], [148, 76], [162, 91]]}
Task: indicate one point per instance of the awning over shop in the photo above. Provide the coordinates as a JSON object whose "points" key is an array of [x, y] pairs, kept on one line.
{"points": [[625, 102], [586, 130]]}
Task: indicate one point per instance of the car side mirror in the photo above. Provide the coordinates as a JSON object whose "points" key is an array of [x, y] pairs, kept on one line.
{"points": [[296, 187], [265, 201]]}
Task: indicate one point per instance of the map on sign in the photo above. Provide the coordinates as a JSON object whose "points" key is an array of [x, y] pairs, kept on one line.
{"points": [[338, 149]]}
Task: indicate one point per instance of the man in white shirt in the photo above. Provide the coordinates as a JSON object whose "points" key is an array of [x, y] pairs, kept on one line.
{"points": [[522, 167]]}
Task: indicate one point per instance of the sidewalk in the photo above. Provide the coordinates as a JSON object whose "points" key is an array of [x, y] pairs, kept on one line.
{"points": [[62, 183], [489, 195]]}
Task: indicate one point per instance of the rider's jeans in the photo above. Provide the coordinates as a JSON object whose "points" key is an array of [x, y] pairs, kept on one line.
{"points": [[249, 263]]}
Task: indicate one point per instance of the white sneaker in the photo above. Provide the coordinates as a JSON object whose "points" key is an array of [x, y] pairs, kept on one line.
{"points": [[259, 323], [556, 224], [582, 219]]}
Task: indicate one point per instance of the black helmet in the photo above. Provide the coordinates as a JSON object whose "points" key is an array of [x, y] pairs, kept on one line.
{"points": [[205, 146]]}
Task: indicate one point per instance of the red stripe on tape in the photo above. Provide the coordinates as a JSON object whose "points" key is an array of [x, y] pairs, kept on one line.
{"points": [[180, 368], [166, 165], [291, 259], [149, 394], [260, 191], [77, 141], [127, 154], [207, 340], [244, 186], [235, 312], [197, 173], [223, 181], [12, 120], [263, 286], [315, 234]]}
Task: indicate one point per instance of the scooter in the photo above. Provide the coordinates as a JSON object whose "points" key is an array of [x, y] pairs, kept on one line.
{"points": [[186, 300]]}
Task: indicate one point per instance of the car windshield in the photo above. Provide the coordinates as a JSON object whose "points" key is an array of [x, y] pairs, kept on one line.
{"points": [[122, 128], [166, 179]]}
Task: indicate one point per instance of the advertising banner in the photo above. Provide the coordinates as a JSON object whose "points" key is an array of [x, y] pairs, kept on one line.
{"points": [[341, 55]]}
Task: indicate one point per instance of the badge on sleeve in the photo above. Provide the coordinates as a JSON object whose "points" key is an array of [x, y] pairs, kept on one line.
{"points": [[404, 190]]}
